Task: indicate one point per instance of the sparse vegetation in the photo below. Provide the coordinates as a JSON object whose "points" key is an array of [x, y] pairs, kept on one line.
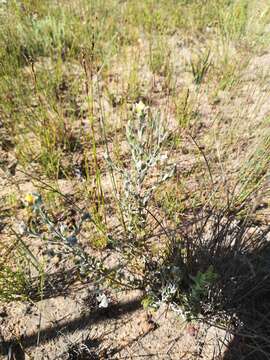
{"points": [[134, 156]]}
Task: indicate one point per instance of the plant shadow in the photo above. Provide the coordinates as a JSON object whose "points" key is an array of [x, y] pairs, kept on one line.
{"points": [[251, 338], [86, 320], [58, 283], [238, 251]]}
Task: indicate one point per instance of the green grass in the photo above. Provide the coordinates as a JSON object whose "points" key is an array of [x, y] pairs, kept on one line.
{"points": [[200, 67]]}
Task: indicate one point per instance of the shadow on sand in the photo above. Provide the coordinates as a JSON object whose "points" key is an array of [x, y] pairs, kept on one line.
{"points": [[239, 252], [115, 311]]}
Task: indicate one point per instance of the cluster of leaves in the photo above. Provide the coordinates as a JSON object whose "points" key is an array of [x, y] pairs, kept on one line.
{"points": [[171, 282], [146, 136]]}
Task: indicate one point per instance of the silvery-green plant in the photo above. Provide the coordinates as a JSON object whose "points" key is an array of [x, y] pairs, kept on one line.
{"points": [[166, 286], [146, 136], [62, 241]]}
